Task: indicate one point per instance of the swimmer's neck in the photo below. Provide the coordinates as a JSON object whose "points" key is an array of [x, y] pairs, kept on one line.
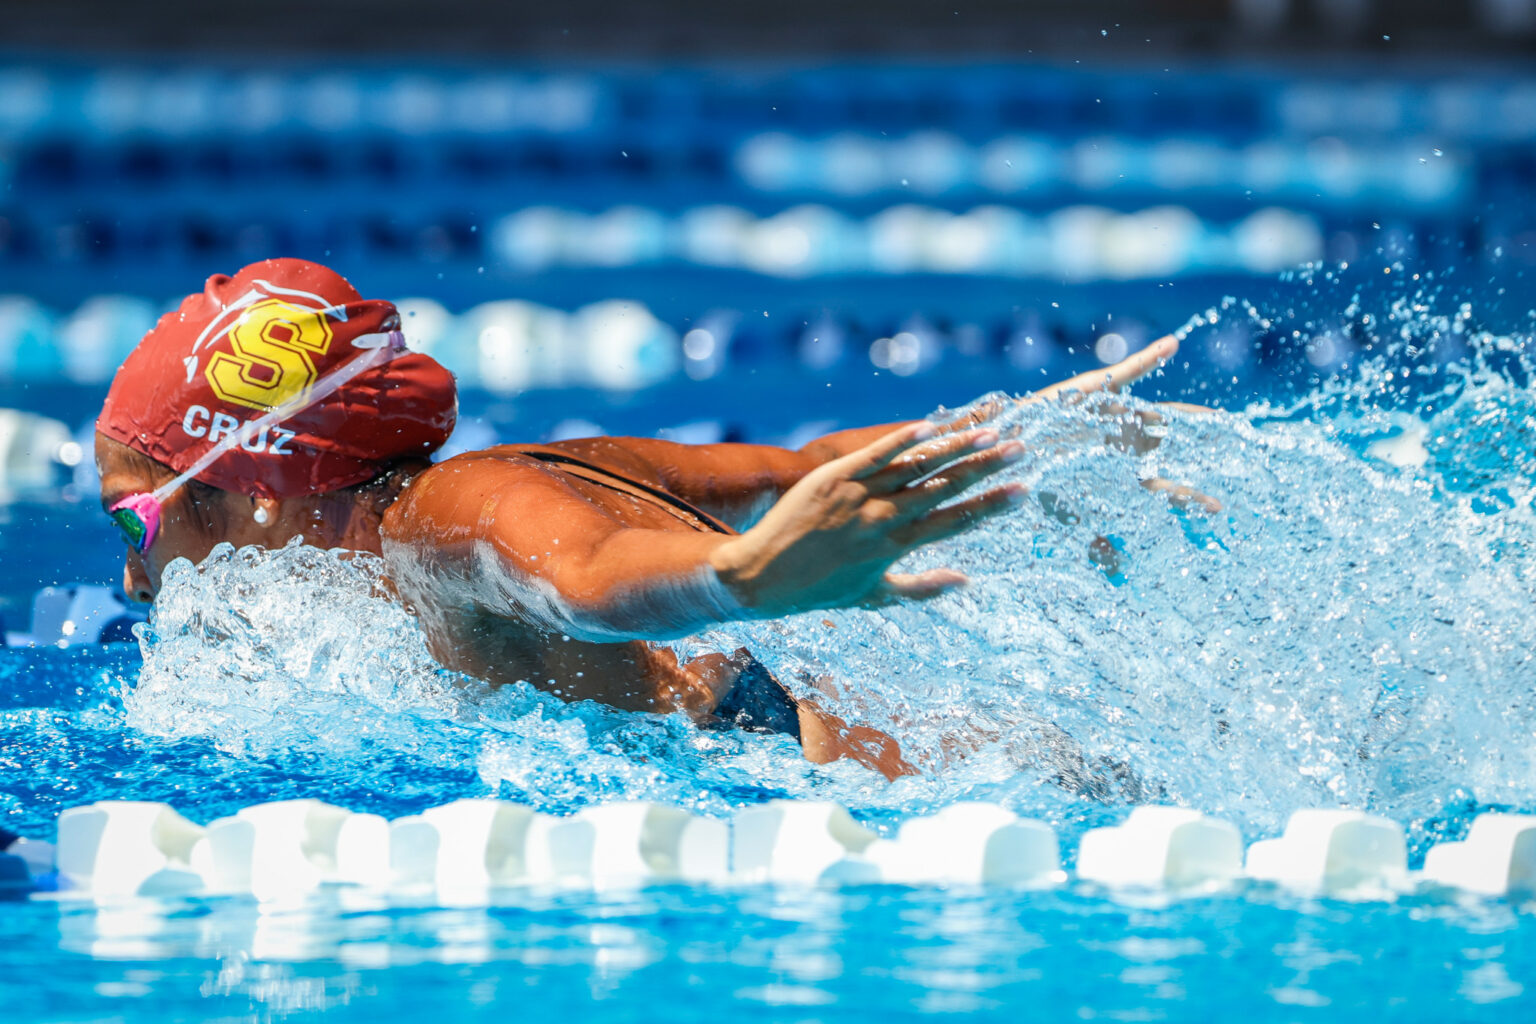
{"points": [[334, 520], [350, 518]]}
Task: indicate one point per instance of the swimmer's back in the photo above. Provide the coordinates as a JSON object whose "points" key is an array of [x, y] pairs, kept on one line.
{"points": [[541, 482], [472, 543], [445, 581]]}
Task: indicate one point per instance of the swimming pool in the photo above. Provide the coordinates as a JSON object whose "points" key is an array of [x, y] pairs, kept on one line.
{"points": [[1346, 632]]}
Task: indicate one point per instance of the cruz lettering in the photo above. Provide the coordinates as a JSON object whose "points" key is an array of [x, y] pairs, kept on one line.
{"points": [[199, 422]]}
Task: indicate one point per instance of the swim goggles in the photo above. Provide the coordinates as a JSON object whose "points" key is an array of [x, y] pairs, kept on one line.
{"points": [[138, 515]]}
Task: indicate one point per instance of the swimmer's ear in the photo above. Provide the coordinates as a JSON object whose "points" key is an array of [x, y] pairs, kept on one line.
{"points": [[264, 510]]}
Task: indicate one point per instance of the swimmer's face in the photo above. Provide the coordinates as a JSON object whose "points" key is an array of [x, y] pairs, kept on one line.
{"points": [[189, 526]]}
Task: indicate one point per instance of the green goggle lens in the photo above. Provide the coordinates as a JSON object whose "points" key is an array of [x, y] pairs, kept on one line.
{"points": [[133, 528]]}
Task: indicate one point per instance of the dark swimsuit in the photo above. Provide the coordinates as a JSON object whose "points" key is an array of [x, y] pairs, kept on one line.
{"points": [[757, 702]]}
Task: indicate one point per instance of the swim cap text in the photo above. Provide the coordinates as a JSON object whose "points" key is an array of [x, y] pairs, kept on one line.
{"points": [[199, 422]]}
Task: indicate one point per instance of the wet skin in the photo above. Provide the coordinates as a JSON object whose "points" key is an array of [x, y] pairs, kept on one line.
{"points": [[589, 541], [472, 543]]}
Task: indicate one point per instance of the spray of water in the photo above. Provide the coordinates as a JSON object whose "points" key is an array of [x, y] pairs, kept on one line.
{"points": [[1352, 627]]}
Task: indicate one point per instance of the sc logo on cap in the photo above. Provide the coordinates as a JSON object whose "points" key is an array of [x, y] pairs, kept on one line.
{"points": [[270, 357]]}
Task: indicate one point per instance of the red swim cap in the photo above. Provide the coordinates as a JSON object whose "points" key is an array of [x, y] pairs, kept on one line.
{"points": [[248, 343]]}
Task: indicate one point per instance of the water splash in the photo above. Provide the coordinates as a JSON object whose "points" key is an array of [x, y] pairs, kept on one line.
{"points": [[1343, 631], [298, 656]]}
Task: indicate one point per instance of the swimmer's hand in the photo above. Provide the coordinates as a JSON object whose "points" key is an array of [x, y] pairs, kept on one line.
{"points": [[829, 542], [1134, 430], [1113, 378]]}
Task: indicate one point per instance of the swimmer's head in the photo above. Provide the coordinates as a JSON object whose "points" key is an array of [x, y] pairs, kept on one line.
{"points": [[267, 397], [195, 516], [263, 339]]}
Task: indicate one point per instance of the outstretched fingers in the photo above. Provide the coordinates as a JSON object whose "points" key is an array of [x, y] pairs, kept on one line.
{"points": [[880, 453], [955, 519], [919, 586], [955, 479], [1138, 365], [942, 454], [1182, 496], [1113, 378]]}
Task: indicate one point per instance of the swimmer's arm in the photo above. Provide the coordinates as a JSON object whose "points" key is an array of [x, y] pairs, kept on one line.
{"points": [[517, 542], [1131, 434], [735, 483], [738, 482], [1113, 378], [1110, 378], [524, 544]]}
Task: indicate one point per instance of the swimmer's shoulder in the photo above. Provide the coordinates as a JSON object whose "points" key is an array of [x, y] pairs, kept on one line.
{"points": [[497, 464], [615, 456], [457, 493], [528, 480], [521, 463], [497, 458]]}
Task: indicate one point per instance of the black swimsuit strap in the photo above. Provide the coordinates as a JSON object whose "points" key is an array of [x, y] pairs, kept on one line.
{"points": [[697, 518]]}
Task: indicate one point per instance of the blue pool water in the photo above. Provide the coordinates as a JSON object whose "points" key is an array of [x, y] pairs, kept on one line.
{"points": [[1344, 632], [847, 955]]}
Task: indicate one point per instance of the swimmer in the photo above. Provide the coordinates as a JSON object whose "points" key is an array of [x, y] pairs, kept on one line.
{"points": [[279, 402]]}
